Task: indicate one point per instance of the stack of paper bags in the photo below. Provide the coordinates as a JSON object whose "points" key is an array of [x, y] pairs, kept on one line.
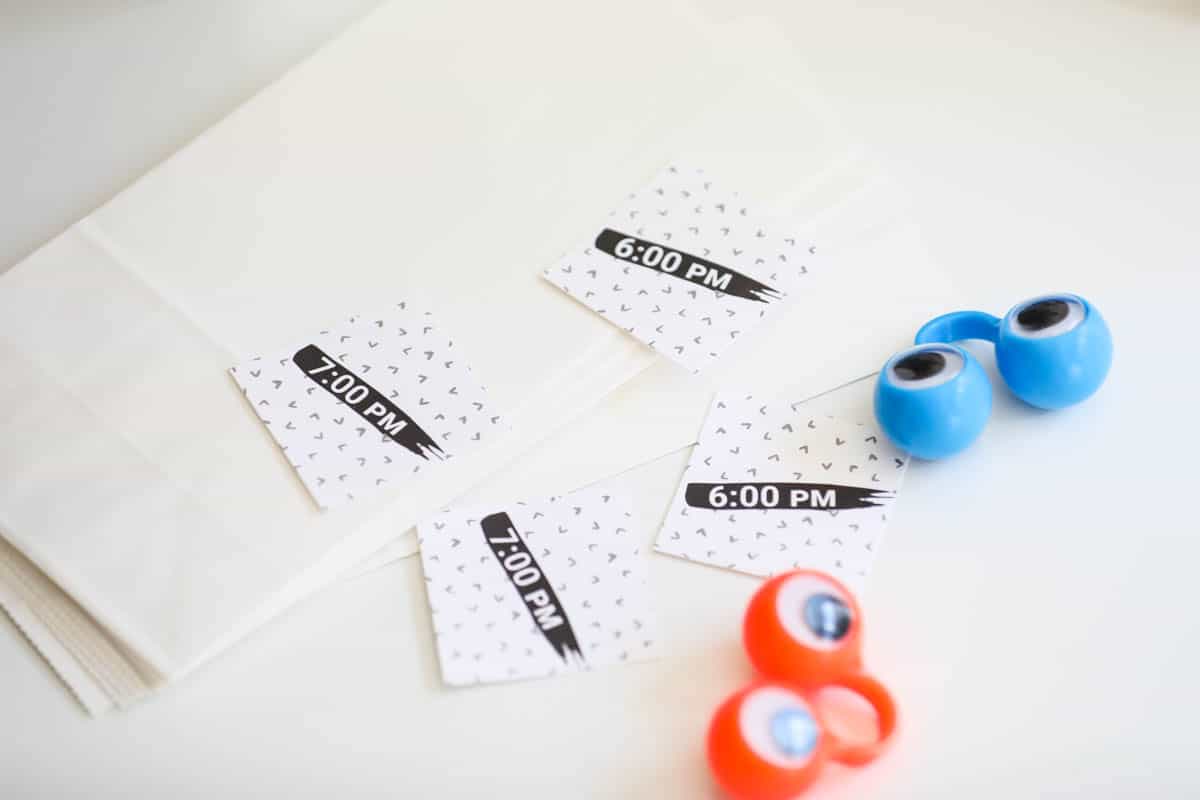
{"points": [[147, 519]]}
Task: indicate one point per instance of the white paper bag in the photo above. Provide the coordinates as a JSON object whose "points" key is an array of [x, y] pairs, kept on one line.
{"points": [[150, 520]]}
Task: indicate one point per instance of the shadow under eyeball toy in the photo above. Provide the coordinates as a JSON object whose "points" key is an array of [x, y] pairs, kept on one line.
{"points": [[769, 741], [934, 399]]}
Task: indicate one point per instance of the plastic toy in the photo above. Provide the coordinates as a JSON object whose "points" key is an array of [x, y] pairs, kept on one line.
{"points": [[934, 399], [770, 740]]}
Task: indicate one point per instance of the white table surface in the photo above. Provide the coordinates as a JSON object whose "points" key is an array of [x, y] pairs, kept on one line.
{"points": [[1034, 607]]}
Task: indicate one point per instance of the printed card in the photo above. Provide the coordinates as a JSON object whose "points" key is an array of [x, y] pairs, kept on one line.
{"points": [[530, 590], [685, 266], [369, 403], [771, 487]]}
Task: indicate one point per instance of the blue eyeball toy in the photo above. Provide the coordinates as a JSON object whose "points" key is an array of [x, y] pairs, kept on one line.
{"points": [[1054, 351], [934, 399]]}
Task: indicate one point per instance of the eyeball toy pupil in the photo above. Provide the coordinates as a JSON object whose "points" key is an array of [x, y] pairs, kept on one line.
{"points": [[794, 732], [827, 617], [1043, 314], [920, 365]]}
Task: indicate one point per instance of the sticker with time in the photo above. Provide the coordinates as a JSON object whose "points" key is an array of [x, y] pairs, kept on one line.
{"points": [[686, 267], [772, 487], [533, 589], [369, 403]]}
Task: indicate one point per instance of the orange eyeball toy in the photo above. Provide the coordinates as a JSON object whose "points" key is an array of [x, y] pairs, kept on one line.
{"points": [[766, 742], [803, 627], [770, 740]]}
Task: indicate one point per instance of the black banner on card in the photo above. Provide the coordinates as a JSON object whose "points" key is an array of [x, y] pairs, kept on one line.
{"points": [[531, 584], [684, 266], [365, 400], [783, 496]]}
